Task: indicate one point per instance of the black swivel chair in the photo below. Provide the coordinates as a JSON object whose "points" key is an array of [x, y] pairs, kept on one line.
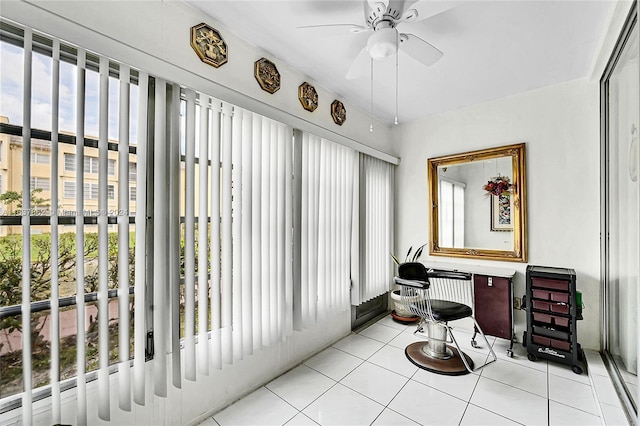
{"points": [[439, 297]]}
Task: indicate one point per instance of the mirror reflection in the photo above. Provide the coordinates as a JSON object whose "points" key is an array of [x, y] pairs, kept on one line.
{"points": [[478, 204], [471, 216]]}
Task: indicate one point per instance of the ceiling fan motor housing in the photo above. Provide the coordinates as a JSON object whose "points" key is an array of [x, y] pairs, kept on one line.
{"points": [[383, 42], [383, 13]]}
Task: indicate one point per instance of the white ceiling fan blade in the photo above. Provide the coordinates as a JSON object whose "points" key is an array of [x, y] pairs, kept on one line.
{"points": [[423, 9], [397, 6], [329, 29], [419, 49], [371, 6], [358, 65]]}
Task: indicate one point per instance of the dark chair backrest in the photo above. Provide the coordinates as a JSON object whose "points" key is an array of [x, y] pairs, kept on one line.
{"points": [[412, 271]]}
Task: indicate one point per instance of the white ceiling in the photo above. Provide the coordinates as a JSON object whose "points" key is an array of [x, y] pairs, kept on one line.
{"points": [[492, 49]]}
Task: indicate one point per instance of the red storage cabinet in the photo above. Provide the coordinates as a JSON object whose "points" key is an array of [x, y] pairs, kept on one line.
{"points": [[493, 306]]}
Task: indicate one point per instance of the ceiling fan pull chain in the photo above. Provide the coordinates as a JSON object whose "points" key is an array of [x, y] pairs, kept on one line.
{"points": [[397, 55], [371, 127]]}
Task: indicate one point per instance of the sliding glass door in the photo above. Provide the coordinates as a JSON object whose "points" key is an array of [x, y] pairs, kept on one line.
{"points": [[621, 254]]}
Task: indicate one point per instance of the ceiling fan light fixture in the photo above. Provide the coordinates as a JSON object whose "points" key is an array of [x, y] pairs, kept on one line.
{"points": [[382, 43]]}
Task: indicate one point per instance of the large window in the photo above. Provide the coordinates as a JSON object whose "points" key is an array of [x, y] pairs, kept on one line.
{"points": [[242, 231], [67, 246]]}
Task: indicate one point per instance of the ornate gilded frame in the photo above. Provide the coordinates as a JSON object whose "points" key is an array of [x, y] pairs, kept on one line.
{"points": [[267, 75], [519, 213], [338, 112], [308, 96], [209, 45]]}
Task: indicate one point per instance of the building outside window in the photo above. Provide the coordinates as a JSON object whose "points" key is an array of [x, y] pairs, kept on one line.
{"points": [[40, 158], [40, 183]]}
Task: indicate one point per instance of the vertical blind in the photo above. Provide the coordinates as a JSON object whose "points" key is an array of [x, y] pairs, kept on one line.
{"points": [[238, 166], [375, 197], [206, 231], [326, 174]]}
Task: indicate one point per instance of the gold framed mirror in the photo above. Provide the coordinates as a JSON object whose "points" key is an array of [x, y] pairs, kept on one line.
{"points": [[478, 204]]}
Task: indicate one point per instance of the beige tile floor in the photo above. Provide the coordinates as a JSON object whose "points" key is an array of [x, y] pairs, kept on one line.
{"points": [[365, 379]]}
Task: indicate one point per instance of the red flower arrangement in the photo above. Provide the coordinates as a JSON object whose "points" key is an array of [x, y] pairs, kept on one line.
{"points": [[497, 186]]}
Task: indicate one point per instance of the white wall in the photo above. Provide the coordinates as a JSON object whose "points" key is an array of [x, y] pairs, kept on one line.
{"points": [[154, 36], [560, 125]]}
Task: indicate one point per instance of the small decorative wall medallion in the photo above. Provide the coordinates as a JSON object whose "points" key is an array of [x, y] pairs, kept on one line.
{"points": [[338, 112], [308, 96], [209, 45], [267, 75]]}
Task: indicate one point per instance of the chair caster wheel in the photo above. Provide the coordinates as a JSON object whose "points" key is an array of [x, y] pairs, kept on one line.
{"points": [[532, 357], [474, 344], [509, 353], [576, 369]]}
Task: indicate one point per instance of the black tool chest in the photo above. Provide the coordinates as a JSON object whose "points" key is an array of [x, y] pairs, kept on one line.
{"points": [[552, 315]]}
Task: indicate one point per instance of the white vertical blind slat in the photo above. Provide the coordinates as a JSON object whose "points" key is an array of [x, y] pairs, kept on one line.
{"points": [[160, 241], [81, 359], [297, 256], [140, 330], [333, 228], [344, 213], [174, 261], [354, 247], [317, 175], [324, 272], [288, 231], [236, 231], [27, 371], [189, 240], [264, 238], [279, 178], [305, 235], [56, 414], [247, 220], [103, 244], [226, 236], [216, 343], [256, 228], [203, 231], [273, 233], [124, 366]]}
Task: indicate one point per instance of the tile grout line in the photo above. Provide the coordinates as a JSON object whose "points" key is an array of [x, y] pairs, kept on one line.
{"points": [[470, 396], [593, 391]]}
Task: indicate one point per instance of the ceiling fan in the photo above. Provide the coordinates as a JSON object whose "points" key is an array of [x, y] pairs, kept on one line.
{"points": [[384, 19]]}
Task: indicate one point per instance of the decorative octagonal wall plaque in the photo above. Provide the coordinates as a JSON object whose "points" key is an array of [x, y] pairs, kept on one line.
{"points": [[267, 75], [308, 96], [209, 45], [338, 112]]}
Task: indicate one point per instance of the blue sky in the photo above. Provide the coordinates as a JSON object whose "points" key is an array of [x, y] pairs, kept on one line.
{"points": [[11, 95]]}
